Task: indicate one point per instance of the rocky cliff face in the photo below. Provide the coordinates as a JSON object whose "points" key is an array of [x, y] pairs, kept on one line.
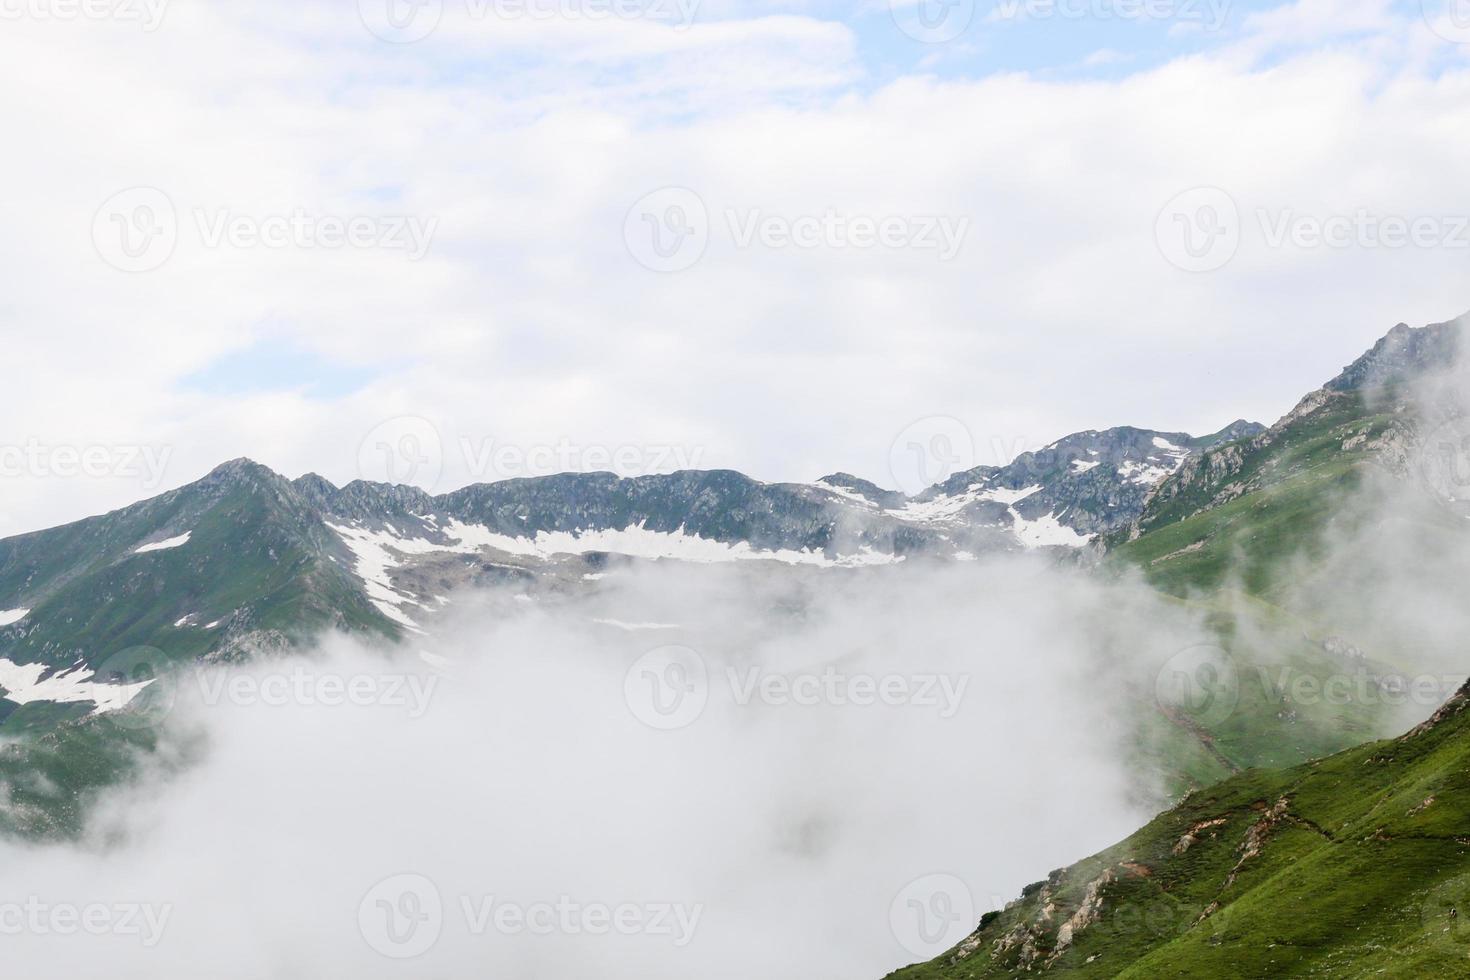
{"points": [[1369, 409]]}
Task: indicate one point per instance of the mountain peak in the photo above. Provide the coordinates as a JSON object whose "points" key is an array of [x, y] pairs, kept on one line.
{"points": [[1239, 429], [866, 489], [1402, 354], [315, 488], [243, 472]]}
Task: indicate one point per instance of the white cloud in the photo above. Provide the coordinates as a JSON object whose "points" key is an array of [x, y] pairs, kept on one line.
{"points": [[526, 773], [529, 323]]}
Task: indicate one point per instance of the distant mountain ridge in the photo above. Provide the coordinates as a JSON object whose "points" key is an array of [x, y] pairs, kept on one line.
{"points": [[245, 559], [246, 562]]}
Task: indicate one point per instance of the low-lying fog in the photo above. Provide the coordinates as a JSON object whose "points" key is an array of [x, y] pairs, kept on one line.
{"points": [[690, 772]]}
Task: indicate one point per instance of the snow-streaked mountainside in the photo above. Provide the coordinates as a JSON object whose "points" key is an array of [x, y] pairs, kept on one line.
{"points": [[246, 559]]}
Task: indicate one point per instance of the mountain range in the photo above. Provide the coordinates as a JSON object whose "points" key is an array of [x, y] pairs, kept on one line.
{"points": [[1279, 805], [246, 559], [1348, 863]]}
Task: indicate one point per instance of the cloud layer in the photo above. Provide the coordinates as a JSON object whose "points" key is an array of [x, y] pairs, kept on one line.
{"points": [[822, 785]]}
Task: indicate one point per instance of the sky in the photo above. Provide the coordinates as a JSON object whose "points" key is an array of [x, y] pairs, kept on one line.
{"points": [[449, 241]]}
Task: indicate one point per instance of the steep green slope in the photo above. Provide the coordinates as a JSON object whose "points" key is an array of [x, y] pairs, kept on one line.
{"points": [[259, 568], [1352, 866], [1357, 864], [1262, 535], [1236, 514], [1232, 515]]}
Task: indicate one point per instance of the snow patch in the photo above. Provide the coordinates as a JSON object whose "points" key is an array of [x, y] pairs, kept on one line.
{"points": [[943, 508], [177, 542], [23, 684], [846, 493], [9, 616], [1047, 532], [1144, 474]]}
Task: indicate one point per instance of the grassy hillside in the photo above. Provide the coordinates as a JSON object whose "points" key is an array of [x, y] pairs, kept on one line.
{"points": [[1232, 518], [1352, 866], [1251, 535], [259, 566]]}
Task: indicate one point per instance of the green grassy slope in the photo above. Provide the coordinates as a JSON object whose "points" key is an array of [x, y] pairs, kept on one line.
{"points": [[259, 563], [1353, 864], [1235, 515], [1357, 865], [1250, 535]]}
